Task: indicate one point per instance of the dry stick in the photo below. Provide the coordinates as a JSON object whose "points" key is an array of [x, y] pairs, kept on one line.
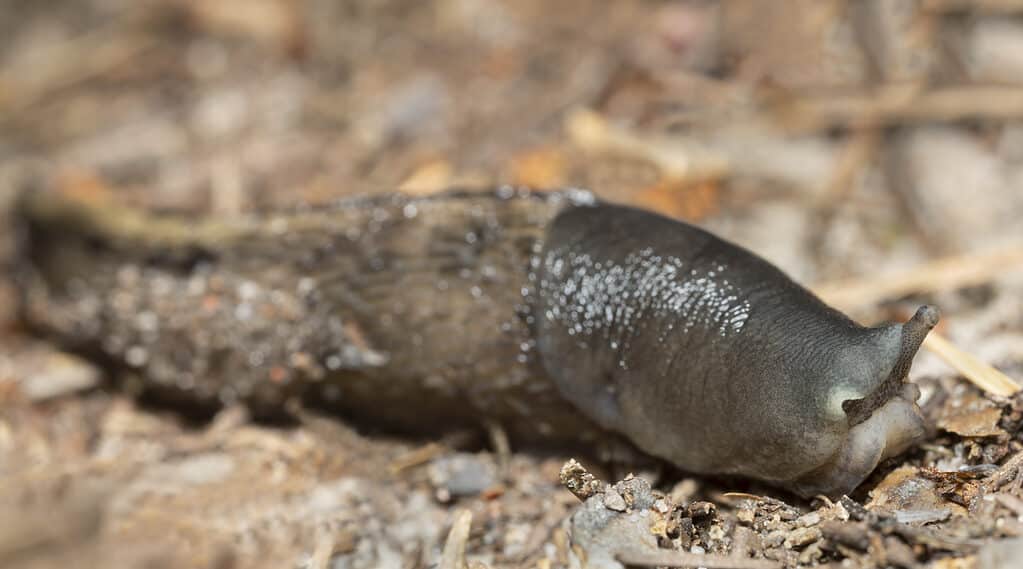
{"points": [[501, 446], [590, 131], [322, 552], [860, 149], [1005, 473], [973, 6], [949, 273], [682, 559], [453, 556], [944, 274], [895, 104], [416, 457]]}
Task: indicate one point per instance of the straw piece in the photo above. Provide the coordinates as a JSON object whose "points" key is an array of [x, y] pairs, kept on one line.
{"points": [[979, 373], [949, 273]]}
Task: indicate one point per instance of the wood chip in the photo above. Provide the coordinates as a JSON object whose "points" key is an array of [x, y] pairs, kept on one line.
{"points": [[977, 418], [906, 491]]}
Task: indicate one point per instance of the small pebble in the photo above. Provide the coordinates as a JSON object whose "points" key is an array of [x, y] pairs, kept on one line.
{"points": [[747, 513], [807, 520], [463, 474], [661, 506], [614, 501], [801, 537], [700, 510], [810, 555], [774, 539]]}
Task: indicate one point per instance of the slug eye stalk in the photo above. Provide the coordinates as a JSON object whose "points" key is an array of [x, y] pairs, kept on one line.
{"points": [[913, 333]]}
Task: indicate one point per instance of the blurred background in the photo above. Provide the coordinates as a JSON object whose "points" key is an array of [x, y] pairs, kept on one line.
{"points": [[858, 132], [841, 139]]}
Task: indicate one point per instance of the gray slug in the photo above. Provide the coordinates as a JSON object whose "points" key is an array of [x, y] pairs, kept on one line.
{"points": [[552, 314]]}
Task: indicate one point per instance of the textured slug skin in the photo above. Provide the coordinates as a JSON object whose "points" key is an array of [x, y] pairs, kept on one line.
{"points": [[708, 356], [436, 313], [396, 312]]}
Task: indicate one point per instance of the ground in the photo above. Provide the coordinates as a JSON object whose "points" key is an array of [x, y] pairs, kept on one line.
{"points": [[871, 149]]}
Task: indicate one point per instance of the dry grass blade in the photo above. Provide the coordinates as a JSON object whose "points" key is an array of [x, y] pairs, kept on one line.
{"points": [[944, 274], [321, 554], [676, 158], [891, 105], [973, 6], [453, 556], [683, 559], [981, 374], [419, 456]]}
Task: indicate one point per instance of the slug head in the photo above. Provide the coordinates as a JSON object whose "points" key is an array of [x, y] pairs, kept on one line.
{"points": [[910, 336], [880, 412]]}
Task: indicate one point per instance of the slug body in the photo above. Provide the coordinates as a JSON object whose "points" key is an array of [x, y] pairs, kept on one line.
{"points": [[558, 316], [706, 355]]}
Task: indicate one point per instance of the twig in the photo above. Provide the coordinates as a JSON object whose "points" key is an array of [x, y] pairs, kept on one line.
{"points": [[320, 558], [972, 6], [501, 445], [683, 559], [858, 151], [945, 274], [895, 104], [419, 456], [453, 556], [1006, 473], [675, 158]]}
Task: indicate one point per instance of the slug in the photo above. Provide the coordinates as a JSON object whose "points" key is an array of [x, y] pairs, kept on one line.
{"points": [[556, 315]]}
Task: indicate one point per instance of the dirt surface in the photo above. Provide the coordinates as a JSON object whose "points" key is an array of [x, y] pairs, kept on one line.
{"points": [[850, 143]]}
